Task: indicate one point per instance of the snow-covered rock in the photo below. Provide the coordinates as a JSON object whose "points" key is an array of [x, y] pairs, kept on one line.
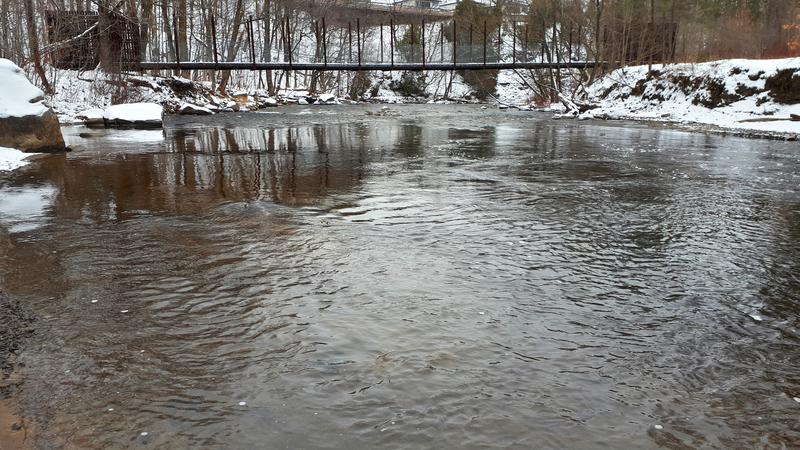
{"points": [[91, 117], [26, 123], [327, 99], [228, 106], [11, 159], [269, 102], [194, 110], [137, 115]]}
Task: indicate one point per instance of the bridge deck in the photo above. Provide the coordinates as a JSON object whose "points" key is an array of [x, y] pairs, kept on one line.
{"points": [[239, 65]]}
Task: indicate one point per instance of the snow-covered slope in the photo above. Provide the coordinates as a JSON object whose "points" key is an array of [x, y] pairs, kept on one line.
{"points": [[733, 94]]}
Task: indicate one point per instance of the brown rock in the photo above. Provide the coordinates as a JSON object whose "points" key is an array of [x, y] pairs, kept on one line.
{"points": [[32, 134]]}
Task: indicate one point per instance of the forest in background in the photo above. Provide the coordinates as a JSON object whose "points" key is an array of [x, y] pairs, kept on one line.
{"points": [[554, 30]]}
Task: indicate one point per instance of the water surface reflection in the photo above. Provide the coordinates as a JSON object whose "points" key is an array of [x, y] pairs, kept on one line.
{"points": [[411, 280]]}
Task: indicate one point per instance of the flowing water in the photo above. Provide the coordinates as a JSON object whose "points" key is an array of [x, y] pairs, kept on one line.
{"points": [[423, 277]]}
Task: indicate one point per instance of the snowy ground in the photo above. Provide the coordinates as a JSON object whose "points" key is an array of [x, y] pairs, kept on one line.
{"points": [[12, 159], [754, 95]]}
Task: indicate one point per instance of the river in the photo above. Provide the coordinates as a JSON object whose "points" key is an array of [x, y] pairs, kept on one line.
{"points": [[431, 276]]}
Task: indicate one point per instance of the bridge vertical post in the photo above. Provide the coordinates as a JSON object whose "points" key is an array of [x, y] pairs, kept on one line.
{"points": [[423, 42], [525, 44], [214, 40], [454, 41], [542, 44], [569, 45], [484, 43], [175, 39], [252, 42], [289, 40], [358, 40], [413, 52], [391, 41], [554, 47], [249, 39], [470, 42], [499, 42], [381, 42], [324, 42], [315, 75], [349, 42], [513, 43], [441, 42]]}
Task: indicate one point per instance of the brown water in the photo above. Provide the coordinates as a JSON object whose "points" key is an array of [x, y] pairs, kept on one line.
{"points": [[438, 277]]}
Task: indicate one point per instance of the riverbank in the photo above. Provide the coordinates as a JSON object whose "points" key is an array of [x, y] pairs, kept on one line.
{"points": [[750, 98], [16, 327], [79, 93], [747, 98]]}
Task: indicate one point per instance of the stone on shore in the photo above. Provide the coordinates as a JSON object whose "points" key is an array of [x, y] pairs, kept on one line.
{"points": [[327, 99], [92, 117], [26, 123], [194, 110], [134, 115]]}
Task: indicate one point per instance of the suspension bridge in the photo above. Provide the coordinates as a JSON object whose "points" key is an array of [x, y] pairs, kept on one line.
{"points": [[440, 44]]}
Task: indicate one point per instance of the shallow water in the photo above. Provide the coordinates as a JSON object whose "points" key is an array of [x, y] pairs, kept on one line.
{"points": [[427, 277]]}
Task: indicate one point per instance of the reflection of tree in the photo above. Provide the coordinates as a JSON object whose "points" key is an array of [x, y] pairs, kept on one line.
{"points": [[473, 143], [291, 166], [780, 291], [409, 140]]}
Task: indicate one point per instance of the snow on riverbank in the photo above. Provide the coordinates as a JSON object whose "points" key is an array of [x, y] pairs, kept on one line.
{"points": [[83, 93], [738, 94], [12, 159]]}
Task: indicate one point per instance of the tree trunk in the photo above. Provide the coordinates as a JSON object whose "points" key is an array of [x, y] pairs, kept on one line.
{"points": [[183, 41], [170, 37], [268, 44], [144, 28], [233, 44], [33, 36], [107, 62], [5, 45]]}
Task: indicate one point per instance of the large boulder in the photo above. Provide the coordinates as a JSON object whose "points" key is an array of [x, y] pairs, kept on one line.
{"points": [[25, 122]]}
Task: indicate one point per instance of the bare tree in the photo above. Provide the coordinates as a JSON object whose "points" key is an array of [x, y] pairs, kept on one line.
{"points": [[33, 36]]}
